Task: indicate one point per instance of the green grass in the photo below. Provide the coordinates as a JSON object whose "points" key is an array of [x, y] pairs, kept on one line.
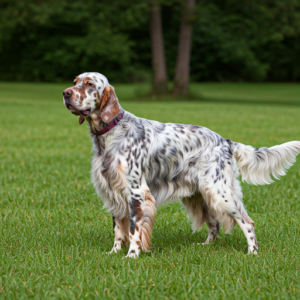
{"points": [[54, 233]]}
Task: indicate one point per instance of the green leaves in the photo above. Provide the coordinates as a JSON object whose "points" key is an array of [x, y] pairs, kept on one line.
{"points": [[54, 40]]}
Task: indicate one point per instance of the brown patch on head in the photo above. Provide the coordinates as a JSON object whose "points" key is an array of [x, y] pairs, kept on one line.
{"points": [[86, 80], [95, 78], [79, 97], [74, 101], [79, 94], [76, 80], [109, 106], [87, 83]]}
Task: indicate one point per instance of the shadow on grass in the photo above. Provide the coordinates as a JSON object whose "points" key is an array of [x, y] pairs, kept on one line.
{"points": [[181, 240], [175, 242]]}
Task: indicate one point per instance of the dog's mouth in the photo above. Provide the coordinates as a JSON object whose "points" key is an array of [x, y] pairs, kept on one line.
{"points": [[86, 112], [76, 111], [72, 109], [81, 113]]}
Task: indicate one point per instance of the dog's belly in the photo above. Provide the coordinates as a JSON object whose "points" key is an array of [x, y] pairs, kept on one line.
{"points": [[173, 188]]}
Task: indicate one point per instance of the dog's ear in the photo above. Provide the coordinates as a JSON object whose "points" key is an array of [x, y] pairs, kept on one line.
{"points": [[109, 105]]}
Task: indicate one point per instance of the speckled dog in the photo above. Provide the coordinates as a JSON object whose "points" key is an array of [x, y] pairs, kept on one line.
{"points": [[138, 164]]}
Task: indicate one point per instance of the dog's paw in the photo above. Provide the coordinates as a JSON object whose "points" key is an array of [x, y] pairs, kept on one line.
{"points": [[132, 254], [252, 251], [205, 243], [116, 248]]}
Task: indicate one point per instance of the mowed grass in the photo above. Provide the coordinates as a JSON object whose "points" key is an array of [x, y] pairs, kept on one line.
{"points": [[55, 235]]}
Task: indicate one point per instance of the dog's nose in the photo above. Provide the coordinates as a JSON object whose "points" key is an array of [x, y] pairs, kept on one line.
{"points": [[67, 93]]}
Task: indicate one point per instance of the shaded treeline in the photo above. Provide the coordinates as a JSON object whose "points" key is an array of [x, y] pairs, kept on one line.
{"points": [[51, 40]]}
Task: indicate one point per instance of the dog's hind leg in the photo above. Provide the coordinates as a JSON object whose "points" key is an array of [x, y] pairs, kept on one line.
{"points": [[194, 209], [247, 225], [233, 205], [198, 212], [213, 225], [121, 229], [224, 198]]}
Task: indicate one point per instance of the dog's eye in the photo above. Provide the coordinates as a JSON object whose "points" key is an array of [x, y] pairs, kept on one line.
{"points": [[90, 84], [74, 82]]}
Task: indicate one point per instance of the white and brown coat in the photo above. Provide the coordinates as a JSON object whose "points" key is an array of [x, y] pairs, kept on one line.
{"points": [[139, 164]]}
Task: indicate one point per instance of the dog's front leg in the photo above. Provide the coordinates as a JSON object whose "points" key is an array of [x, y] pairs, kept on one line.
{"points": [[142, 211], [121, 228]]}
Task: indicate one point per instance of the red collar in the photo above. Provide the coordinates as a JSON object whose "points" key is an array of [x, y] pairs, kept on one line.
{"points": [[110, 125]]}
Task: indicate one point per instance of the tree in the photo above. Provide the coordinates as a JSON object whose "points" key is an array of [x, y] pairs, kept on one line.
{"points": [[160, 81], [53, 40], [182, 72]]}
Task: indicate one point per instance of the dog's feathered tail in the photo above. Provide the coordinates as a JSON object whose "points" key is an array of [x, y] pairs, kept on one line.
{"points": [[257, 165]]}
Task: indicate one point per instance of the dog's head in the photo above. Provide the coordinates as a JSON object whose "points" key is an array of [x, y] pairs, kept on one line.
{"points": [[91, 93]]}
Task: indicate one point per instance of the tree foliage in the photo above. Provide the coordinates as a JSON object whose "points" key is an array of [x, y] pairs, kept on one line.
{"points": [[51, 40], [247, 40], [54, 40]]}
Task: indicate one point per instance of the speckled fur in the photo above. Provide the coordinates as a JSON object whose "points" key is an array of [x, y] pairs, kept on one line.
{"points": [[140, 164]]}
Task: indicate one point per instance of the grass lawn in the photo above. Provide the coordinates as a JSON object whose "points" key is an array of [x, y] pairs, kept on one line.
{"points": [[54, 234]]}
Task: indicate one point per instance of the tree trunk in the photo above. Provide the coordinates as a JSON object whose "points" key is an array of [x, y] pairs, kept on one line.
{"points": [[160, 81], [182, 72]]}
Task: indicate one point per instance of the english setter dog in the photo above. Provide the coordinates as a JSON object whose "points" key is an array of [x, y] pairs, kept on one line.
{"points": [[139, 164]]}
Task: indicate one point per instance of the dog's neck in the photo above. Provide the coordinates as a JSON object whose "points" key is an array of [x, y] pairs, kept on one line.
{"points": [[95, 121], [96, 124]]}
